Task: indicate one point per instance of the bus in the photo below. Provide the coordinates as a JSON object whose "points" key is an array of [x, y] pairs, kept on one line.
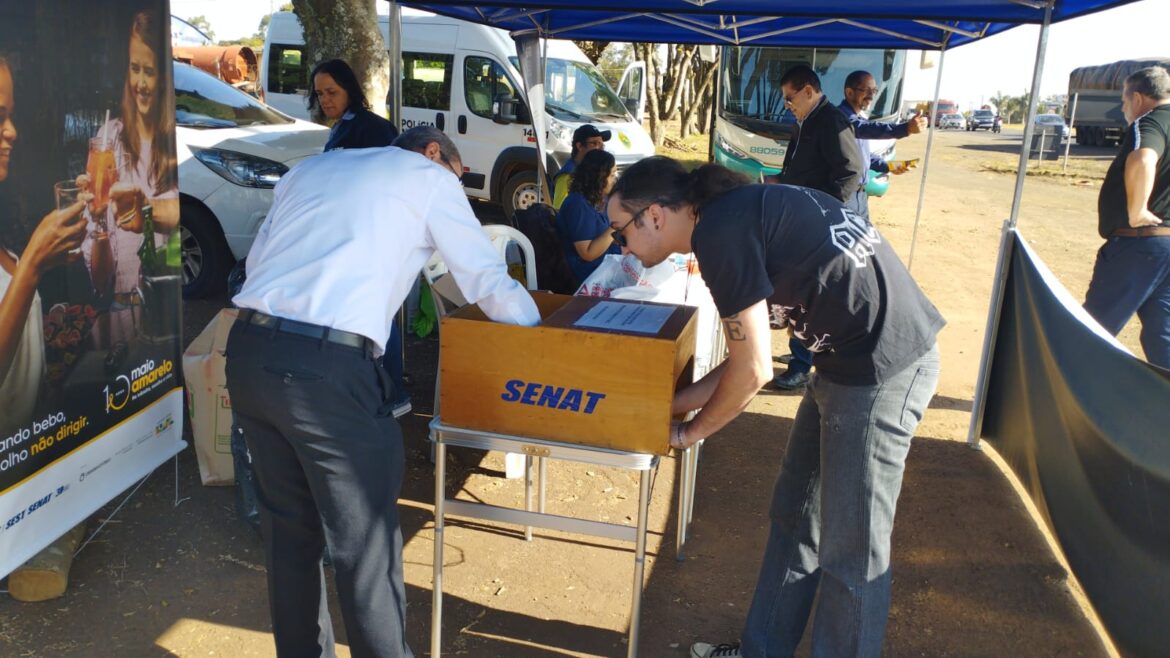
{"points": [[752, 125]]}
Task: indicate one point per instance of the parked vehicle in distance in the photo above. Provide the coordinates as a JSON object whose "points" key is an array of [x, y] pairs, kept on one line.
{"points": [[944, 108], [1052, 123], [951, 120], [464, 78], [232, 150], [981, 120], [1096, 91]]}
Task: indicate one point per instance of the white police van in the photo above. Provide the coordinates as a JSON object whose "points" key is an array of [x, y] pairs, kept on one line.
{"points": [[455, 75]]}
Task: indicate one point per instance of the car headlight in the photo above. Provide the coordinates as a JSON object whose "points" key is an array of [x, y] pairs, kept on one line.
{"points": [[560, 135], [726, 146], [240, 168]]}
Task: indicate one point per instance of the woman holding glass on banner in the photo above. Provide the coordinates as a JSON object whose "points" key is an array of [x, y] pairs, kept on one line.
{"points": [[131, 169], [22, 347]]}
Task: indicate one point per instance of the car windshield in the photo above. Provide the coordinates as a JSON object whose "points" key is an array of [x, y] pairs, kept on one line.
{"points": [[1053, 119], [983, 113], [202, 101]]}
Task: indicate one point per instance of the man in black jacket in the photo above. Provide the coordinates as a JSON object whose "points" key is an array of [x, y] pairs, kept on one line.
{"points": [[822, 154]]}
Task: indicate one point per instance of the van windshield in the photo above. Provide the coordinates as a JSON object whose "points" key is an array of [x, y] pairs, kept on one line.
{"points": [[202, 101], [577, 90]]}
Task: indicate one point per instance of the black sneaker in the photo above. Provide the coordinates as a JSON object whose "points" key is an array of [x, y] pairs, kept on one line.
{"points": [[790, 381], [704, 650]]}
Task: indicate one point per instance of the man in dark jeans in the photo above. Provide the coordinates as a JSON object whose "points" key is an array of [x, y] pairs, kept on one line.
{"points": [[1132, 273], [823, 155], [346, 236]]}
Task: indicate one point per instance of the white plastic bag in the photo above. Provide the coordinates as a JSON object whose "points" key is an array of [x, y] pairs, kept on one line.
{"points": [[617, 272]]}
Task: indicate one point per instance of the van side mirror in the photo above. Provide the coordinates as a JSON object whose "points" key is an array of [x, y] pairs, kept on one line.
{"points": [[504, 108]]}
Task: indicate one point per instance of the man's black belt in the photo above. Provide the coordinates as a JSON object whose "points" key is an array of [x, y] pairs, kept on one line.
{"points": [[307, 329], [1140, 232]]}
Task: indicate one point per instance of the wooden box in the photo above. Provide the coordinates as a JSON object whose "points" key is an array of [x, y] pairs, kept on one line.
{"points": [[559, 381]]}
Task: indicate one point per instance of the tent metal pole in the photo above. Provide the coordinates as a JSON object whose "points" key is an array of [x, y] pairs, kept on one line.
{"points": [[1030, 117], [395, 48], [542, 157], [1072, 120], [999, 285], [931, 122]]}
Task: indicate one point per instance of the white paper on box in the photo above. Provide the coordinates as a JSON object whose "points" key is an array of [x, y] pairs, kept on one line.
{"points": [[635, 318]]}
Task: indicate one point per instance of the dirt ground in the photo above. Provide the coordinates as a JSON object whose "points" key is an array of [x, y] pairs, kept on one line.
{"points": [[973, 573]]}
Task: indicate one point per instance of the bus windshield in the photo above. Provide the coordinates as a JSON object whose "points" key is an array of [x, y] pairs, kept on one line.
{"points": [[750, 79]]}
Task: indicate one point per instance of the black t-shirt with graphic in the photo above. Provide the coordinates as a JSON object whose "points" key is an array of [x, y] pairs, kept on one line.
{"points": [[1152, 131], [824, 271]]}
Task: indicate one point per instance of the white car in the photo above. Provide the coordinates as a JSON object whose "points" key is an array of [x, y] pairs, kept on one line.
{"points": [[232, 150], [951, 121]]}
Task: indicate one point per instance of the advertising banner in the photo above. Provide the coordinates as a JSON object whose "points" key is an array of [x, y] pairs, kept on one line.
{"points": [[1083, 424], [90, 278]]}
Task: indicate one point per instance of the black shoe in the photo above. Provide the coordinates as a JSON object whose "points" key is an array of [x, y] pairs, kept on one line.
{"points": [[704, 650], [790, 381], [784, 358]]}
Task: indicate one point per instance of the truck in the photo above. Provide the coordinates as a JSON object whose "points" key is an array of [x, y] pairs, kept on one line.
{"points": [[464, 78], [1096, 91]]}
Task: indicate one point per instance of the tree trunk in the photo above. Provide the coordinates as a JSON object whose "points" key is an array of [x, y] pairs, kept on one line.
{"points": [[701, 97], [645, 53], [46, 575], [348, 30]]}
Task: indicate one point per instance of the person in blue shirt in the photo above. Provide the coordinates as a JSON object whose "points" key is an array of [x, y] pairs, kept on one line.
{"points": [[860, 91], [338, 94], [581, 222]]}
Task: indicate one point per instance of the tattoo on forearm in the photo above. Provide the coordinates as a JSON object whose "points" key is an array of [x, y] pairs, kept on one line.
{"points": [[734, 328]]}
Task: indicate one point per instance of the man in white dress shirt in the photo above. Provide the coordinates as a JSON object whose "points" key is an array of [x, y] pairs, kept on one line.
{"points": [[346, 236]]}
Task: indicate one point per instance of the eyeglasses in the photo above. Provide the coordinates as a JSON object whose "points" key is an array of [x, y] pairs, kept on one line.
{"points": [[866, 90], [618, 233]]}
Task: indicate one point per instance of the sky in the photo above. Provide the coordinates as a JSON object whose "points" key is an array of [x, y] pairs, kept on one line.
{"points": [[971, 73]]}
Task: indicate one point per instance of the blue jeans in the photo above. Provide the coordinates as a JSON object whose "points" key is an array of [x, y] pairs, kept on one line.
{"points": [[1132, 275], [832, 515], [801, 357]]}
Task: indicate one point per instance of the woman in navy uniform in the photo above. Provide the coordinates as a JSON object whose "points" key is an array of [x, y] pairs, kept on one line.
{"points": [[337, 92]]}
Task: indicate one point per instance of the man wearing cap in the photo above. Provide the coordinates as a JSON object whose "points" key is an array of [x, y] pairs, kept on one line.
{"points": [[346, 236], [585, 139], [1132, 272]]}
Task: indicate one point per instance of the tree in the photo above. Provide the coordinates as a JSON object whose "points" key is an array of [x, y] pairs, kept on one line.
{"points": [[678, 86], [998, 101], [592, 49], [200, 22], [348, 30]]}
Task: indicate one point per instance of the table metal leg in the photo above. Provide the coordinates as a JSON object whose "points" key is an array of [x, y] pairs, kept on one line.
{"points": [[639, 561], [440, 499], [684, 476], [542, 473], [528, 493], [696, 450]]}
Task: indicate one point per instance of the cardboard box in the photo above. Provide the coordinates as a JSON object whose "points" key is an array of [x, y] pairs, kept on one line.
{"points": [[208, 401], [603, 387]]}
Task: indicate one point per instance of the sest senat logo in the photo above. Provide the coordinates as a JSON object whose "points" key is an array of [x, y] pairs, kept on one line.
{"points": [[553, 397]]}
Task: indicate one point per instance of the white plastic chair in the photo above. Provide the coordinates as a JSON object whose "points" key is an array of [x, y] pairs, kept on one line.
{"points": [[502, 236]]}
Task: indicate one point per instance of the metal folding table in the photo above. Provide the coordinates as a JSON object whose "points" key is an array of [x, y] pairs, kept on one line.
{"points": [[536, 452]]}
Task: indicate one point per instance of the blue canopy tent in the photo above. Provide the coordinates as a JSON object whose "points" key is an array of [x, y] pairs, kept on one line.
{"points": [[901, 24]]}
